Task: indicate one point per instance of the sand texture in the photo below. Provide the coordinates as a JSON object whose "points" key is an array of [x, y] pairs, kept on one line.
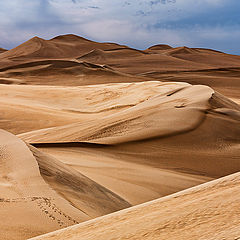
{"points": [[123, 143]]}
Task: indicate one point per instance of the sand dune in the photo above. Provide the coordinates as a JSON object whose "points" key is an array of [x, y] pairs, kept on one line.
{"points": [[2, 50], [159, 62], [26, 108], [118, 53], [53, 72], [66, 197], [102, 127], [209, 211], [59, 47], [160, 47], [26, 198], [176, 155]]}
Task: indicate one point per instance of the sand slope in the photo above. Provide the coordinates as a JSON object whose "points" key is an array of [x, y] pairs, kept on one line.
{"points": [[39, 206], [209, 211], [174, 136]]}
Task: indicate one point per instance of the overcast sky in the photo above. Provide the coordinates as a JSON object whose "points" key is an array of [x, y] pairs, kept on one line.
{"points": [[194, 23]]}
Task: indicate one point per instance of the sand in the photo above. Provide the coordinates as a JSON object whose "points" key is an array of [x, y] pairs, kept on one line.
{"points": [[42, 194], [90, 129], [209, 211]]}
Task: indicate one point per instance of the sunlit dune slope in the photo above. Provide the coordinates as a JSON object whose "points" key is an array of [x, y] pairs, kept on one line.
{"points": [[37, 201], [27, 108], [209, 211], [163, 142], [167, 113]]}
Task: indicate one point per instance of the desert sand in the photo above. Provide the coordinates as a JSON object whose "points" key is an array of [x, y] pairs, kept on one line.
{"points": [[208, 211], [93, 129]]}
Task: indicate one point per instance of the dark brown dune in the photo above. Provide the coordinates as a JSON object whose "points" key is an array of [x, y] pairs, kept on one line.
{"points": [[67, 46], [97, 55], [2, 50], [182, 50], [159, 47], [53, 72]]}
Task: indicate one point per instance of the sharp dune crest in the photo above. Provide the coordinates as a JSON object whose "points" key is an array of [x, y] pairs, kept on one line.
{"points": [[91, 130]]}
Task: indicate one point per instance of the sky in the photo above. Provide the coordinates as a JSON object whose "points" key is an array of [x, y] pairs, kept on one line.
{"points": [[137, 23]]}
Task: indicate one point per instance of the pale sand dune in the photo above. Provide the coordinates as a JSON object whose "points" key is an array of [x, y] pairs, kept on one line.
{"points": [[209, 211], [177, 105], [31, 206], [156, 147], [168, 113], [26, 108], [28, 205]]}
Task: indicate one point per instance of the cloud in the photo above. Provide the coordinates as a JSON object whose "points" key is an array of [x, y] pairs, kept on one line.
{"points": [[138, 23]]}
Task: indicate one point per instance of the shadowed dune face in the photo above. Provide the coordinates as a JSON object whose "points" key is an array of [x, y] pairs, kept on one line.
{"points": [[100, 127]]}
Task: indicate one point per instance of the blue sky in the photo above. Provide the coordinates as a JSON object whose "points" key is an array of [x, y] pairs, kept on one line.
{"points": [[137, 23]]}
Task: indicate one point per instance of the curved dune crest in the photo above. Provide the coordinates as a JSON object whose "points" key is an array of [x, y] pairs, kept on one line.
{"points": [[165, 114], [160, 47]]}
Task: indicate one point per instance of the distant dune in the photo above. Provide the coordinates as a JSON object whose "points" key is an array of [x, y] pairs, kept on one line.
{"points": [[58, 47], [2, 50], [91, 129], [160, 47], [159, 62]]}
